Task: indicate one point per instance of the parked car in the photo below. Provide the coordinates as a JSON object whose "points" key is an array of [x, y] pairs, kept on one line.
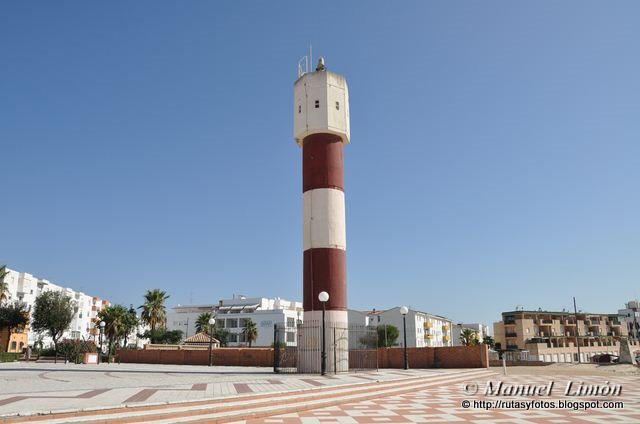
{"points": [[605, 358]]}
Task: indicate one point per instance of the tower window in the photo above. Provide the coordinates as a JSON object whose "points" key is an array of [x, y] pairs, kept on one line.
{"points": [[317, 104], [337, 105], [299, 109]]}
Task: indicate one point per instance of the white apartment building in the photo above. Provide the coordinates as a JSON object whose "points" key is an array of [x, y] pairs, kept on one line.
{"points": [[25, 287], [480, 330], [232, 314], [423, 329], [630, 315]]}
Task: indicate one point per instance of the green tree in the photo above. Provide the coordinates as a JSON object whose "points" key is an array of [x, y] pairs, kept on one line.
{"points": [[369, 340], [387, 335], [202, 323], [222, 335], [250, 331], [154, 312], [4, 286], [115, 320], [489, 341], [53, 312], [171, 337], [468, 337], [14, 317], [163, 336]]}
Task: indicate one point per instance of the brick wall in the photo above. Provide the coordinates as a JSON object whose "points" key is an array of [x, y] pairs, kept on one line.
{"points": [[249, 357], [422, 357], [436, 357]]}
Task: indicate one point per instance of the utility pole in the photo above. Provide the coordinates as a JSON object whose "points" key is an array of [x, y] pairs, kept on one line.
{"points": [[575, 313]]}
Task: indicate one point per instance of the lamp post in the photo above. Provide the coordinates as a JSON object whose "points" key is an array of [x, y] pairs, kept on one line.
{"points": [[137, 329], [404, 311], [212, 321], [323, 297], [101, 329]]}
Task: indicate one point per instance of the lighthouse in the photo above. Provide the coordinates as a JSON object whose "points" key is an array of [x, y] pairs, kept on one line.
{"points": [[321, 129]]}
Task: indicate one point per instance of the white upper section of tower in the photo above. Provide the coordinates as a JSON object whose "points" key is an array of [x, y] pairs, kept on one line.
{"points": [[321, 105]]}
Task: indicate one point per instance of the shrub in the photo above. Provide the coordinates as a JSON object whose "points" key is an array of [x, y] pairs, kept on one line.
{"points": [[8, 357], [44, 352], [74, 349]]}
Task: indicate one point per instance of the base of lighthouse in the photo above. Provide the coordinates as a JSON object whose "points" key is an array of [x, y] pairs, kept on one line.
{"points": [[336, 333]]}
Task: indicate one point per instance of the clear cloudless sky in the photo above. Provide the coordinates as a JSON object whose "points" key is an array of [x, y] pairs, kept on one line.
{"points": [[495, 155]]}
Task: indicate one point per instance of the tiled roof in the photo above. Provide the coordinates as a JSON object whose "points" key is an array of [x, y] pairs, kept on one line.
{"points": [[200, 338]]}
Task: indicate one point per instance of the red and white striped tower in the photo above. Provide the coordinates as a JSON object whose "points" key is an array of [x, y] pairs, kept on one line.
{"points": [[321, 128]]}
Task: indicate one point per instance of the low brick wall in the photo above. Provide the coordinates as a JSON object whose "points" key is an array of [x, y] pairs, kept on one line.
{"points": [[225, 356], [422, 357], [436, 357]]}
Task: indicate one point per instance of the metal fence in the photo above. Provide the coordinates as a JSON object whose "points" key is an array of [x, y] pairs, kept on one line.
{"points": [[348, 347]]}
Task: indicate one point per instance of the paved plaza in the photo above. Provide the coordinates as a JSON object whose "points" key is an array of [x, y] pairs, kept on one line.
{"points": [[62, 393]]}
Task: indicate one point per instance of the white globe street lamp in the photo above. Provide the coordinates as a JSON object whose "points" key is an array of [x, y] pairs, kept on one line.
{"points": [[212, 322]]}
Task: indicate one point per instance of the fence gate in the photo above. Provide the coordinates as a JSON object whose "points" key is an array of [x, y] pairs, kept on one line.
{"points": [[298, 349]]}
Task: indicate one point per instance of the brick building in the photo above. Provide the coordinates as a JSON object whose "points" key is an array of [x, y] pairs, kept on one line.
{"points": [[555, 336]]}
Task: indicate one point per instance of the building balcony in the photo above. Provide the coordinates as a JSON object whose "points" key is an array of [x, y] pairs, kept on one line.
{"points": [[511, 334], [570, 323], [446, 338], [428, 336], [546, 322], [445, 327], [428, 325]]}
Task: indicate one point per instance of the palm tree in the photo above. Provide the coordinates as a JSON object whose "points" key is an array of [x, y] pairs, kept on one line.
{"points": [[130, 324], [202, 323], [153, 310], [489, 341], [4, 287], [250, 331], [14, 317], [468, 337], [115, 319]]}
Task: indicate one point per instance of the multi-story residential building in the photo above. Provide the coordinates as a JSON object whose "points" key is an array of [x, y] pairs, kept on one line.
{"points": [[232, 315], [555, 336], [630, 315], [423, 329], [25, 287]]}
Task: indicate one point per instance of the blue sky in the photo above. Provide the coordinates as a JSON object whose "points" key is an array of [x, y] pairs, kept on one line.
{"points": [[494, 158]]}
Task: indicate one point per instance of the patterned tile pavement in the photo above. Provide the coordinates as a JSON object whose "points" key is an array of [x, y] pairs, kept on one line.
{"points": [[189, 394], [443, 403]]}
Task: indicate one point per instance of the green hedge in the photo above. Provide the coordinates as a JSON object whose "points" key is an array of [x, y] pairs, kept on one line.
{"points": [[8, 357]]}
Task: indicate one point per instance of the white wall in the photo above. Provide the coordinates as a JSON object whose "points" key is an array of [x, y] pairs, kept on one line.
{"points": [[230, 313]]}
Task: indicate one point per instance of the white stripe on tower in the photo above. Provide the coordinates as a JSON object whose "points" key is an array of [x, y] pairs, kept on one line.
{"points": [[324, 219]]}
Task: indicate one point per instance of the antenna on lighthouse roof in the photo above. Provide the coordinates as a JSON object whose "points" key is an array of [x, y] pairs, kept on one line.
{"points": [[306, 62], [303, 66]]}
